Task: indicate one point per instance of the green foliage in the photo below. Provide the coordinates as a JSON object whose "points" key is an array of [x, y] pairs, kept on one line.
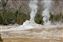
{"points": [[38, 19], [1, 38], [57, 18], [21, 17], [1, 19], [8, 17]]}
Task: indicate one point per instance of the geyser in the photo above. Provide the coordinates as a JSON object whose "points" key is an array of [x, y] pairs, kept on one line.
{"points": [[33, 7], [45, 14], [28, 24]]}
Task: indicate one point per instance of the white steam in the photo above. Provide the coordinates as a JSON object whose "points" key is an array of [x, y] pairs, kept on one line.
{"points": [[45, 14], [33, 6]]}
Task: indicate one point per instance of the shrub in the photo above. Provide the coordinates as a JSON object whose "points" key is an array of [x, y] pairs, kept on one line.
{"points": [[10, 18], [38, 19], [7, 17], [21, 17], [56, 18], [1, 19]]}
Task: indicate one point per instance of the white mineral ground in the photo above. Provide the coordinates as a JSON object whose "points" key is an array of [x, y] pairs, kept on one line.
{"points": [[38, 31]]}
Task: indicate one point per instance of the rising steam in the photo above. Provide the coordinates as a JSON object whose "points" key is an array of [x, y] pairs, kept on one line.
{"points": [[45, 14], [33, 6]]}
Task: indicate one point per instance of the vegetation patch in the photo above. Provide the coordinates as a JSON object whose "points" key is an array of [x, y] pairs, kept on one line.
{"points": [[1, 38], [56, 18], [38, 19]]}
